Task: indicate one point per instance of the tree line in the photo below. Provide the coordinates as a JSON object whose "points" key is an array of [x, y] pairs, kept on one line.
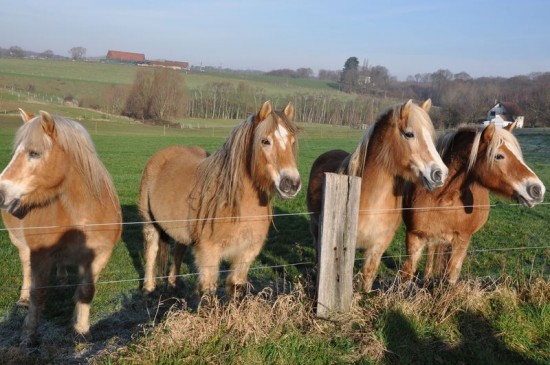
{"points": [[160, 94]]}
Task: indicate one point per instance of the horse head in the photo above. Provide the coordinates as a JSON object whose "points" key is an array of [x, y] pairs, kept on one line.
{"points": [[500, 167], [273, 162], [414, 146]]}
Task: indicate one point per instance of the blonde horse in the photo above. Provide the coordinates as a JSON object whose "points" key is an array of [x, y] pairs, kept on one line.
{"points": [[60, 206], [398, 147], [220, 203], [479, 161]]}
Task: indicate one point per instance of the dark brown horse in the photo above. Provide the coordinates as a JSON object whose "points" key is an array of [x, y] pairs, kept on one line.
{"points": [[220, 203], [60, 207], [480, 161], [398, 147]]}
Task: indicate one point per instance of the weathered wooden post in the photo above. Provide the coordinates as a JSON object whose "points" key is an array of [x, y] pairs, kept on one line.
{"points": [[336, 243]]}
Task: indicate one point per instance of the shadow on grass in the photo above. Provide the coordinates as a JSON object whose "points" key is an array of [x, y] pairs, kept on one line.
{"points": [[132, 235], [479, 344]]}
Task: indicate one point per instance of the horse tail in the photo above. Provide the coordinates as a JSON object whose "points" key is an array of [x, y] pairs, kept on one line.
{"points": [[163, 253]]}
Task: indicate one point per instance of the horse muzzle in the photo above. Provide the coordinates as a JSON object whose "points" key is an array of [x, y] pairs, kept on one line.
{"points": [[533, 195], [435, 178], [289, 187]]}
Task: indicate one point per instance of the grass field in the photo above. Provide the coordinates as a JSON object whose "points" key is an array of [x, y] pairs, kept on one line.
{"points": [[51, 81], [498, 314], [120, 313]]}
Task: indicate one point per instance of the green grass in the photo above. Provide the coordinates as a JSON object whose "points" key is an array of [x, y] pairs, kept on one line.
{"points": [[50, 81], [511, 327]]}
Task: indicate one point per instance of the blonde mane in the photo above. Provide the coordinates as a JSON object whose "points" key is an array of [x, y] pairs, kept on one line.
{"points": [[354, 163], [500, 137], [221, 174], [74, 140]]}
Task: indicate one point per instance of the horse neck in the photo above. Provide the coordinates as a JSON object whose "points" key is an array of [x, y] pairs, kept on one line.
{"points": [[379, 181], [459, 178], [75, 191]]}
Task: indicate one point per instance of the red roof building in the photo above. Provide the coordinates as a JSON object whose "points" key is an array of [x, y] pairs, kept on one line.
{"points": [[120, 56]]}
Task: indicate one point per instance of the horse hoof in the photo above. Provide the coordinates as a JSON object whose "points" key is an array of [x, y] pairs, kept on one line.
{"points": [[82, 337], [23, 303]]}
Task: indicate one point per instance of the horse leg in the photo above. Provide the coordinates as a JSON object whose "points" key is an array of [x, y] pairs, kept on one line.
{"points": [[89, 273], [240, 265], [179, 251], [151, 237], [62, 275], [40, 270], [25, 258], [207, 259], [415, 245], [430, 257], [459, 248]]}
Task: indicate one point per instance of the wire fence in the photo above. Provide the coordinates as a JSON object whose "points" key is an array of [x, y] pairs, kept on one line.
{"points": [[270, 216]]}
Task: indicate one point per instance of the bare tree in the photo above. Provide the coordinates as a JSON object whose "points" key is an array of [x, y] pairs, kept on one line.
{"points": [[115, 99], [156, 95], [47, 54], [77, 53], [16, 51]]}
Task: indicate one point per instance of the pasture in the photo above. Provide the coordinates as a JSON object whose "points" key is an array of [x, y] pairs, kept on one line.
{"points": [[504, 250]]}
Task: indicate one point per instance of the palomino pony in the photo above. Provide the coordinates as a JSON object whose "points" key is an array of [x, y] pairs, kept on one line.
{"points": [[220, 203], [479, 161], [397, 148], [59, 206]]}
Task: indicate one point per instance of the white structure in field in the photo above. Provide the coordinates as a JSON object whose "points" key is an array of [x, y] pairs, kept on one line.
{"points": [[503, 114]]}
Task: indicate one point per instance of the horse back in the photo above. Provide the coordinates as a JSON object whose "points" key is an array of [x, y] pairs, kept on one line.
{"points": [[167, 181], [327, 162]]}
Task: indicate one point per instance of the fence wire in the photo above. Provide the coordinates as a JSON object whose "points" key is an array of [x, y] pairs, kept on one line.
{"points": [[262, 217]]}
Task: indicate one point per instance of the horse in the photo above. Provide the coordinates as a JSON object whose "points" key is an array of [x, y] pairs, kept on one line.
{"points": [[480, 160], [398, 147], [220, 203], [60, 206]]}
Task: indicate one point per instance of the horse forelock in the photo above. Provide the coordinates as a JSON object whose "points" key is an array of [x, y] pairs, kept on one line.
{"points": [[419, 119], [74, 140], [500, 137]]}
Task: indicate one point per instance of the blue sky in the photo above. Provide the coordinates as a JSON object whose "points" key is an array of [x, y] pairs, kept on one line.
{"points": [[480, 37]]}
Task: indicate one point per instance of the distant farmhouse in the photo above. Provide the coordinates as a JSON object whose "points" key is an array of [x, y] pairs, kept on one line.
{"points": [[139, 59], [176, 65], [125, 57], [505, 113]]}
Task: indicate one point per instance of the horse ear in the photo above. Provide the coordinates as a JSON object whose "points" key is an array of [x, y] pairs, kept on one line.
{"points": [[426, 105], [488, 133], [405, 109], [26, 116], [289, 111], [510, 127], [264, 111], [48, 124]]}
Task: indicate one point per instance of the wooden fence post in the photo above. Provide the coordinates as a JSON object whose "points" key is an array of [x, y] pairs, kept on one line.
{"points": [[336, 243]]}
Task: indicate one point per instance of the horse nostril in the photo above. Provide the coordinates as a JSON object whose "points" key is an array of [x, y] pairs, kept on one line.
{"points": [[535, 191], [437, 175], [285, 184], [289, 185]]}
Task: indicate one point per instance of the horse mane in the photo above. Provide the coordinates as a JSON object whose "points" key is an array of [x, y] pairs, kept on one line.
{"points": [[355, 162], [72, 138], [221, 174], [500, 137]]}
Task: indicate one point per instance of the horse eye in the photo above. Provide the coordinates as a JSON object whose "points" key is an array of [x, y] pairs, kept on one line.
{"points": [[265, 142], [409, 135], [499, 156], [34, 154]]}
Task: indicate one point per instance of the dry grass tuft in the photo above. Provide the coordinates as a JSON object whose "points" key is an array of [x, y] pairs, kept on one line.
{"points": [[269, 317]]}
